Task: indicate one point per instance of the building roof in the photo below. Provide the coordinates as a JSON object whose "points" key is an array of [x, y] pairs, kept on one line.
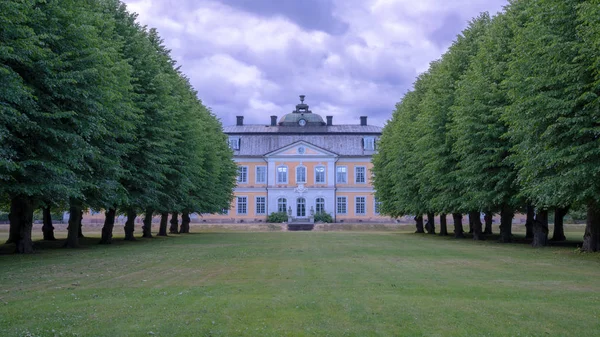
{"points": [[345, 145], [331, 129]]}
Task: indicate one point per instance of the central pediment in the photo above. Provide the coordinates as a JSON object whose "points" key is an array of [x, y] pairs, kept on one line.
{"points": [[301, 149]]}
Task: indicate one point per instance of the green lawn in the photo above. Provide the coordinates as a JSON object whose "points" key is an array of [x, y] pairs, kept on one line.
{"points": [[300, 284]]}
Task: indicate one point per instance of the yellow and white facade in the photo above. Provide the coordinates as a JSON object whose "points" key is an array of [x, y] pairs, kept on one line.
{"points": [[302, 165]]}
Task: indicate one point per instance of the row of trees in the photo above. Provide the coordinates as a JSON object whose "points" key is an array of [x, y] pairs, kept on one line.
{"points": [[96, 114], [507, 120]]}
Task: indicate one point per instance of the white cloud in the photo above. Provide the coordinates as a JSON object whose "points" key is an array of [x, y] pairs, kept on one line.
{"points": [[242, 63]]}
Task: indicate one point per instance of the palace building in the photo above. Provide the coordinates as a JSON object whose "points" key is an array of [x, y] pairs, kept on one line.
{"points": [[300, 165]]}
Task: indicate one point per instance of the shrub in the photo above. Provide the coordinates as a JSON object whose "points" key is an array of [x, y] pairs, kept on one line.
{"points": [[277, 217], [323, 217]]}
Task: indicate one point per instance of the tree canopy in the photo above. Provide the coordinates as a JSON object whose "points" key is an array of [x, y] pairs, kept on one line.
{"points": [[96, 113], [508, 115]]}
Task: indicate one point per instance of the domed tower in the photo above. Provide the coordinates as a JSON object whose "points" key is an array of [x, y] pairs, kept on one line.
{"points": [[302, 116]]}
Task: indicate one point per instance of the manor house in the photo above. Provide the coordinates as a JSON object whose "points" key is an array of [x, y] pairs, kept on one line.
{"points": [[301, 164]]}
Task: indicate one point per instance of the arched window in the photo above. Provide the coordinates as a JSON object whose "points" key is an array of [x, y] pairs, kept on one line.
{"points": [[282, 205], [301, 174], [320, 205]]}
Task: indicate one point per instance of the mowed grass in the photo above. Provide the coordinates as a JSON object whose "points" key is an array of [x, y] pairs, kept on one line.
{"points": [[300, 284]]}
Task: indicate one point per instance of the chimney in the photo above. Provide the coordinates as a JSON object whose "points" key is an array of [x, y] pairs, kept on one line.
{"points": [[329, 120], [363, 120], [240, 120], [273, 120]]}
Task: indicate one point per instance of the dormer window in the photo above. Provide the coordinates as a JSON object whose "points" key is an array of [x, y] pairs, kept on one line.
{"points": [[234, 143], [369, 143]]}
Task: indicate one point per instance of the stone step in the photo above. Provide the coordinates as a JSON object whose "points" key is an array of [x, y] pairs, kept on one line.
{"points": [[300, 227]]}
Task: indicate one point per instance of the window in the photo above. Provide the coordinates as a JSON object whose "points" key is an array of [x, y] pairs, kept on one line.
{"points": [[282, 175], [360, 205], [234, 143], [320, 205], [242, 205], [359, 174], [301, 174], [242, 174], [376, 206], [261, 174], [341, 205], [320, 175], [282, 205], [341, 174], [224, 211], [369, 143], [261, 203]]}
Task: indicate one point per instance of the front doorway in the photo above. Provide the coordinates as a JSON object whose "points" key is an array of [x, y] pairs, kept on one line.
{"points": [[301, 207]]}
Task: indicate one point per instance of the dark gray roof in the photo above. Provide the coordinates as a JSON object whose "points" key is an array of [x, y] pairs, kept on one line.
{"points": [[332, 129], [259, 144]]}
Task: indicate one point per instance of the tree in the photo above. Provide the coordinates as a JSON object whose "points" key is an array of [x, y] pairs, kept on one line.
{"points": [[554, 111], [487, 178]]}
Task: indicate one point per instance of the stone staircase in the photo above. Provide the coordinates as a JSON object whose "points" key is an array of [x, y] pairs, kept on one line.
{"points": [[301, 224]]}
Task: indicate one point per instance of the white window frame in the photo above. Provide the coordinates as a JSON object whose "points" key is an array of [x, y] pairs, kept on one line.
{"points": [[242, 174], [317, 204], [298, 168], [234, 142], [284, 203], [277, 174], [323, 174], [239, 202], [369, 143], [337, 174], [263, 203], [341, 201], [376, 206], [364, 174], [357, 203], [256, 175]]}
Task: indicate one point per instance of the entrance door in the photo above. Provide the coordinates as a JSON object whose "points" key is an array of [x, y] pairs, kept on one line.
{"points": [[301, 207]]}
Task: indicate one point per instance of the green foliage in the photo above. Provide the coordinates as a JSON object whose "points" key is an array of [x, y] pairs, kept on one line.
{"points": [[94, 110], [323, 217], [277, 217]]}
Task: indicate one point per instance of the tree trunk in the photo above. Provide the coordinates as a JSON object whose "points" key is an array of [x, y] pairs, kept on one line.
{"points": [[475, 221], [443, 225], [506, 217], [109, 224], [489, 220], [75, 212], [559, 229], [147, 228], [80, 232], [540, 229], [458, 227], [185, 222], [591, 238], [419, 224], [21, 224], [529, 222], [47, 228], [430, 224], [174, 229], [164, 219], [130, 225]]}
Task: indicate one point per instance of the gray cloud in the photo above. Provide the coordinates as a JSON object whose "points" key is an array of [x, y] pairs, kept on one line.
{"points": [[350, 57]]}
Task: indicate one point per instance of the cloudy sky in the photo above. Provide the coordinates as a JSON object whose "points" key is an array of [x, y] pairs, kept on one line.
{"points": [[349, 57]]}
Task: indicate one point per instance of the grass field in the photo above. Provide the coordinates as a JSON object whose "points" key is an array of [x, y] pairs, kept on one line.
{"points": [[343, 283]]}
